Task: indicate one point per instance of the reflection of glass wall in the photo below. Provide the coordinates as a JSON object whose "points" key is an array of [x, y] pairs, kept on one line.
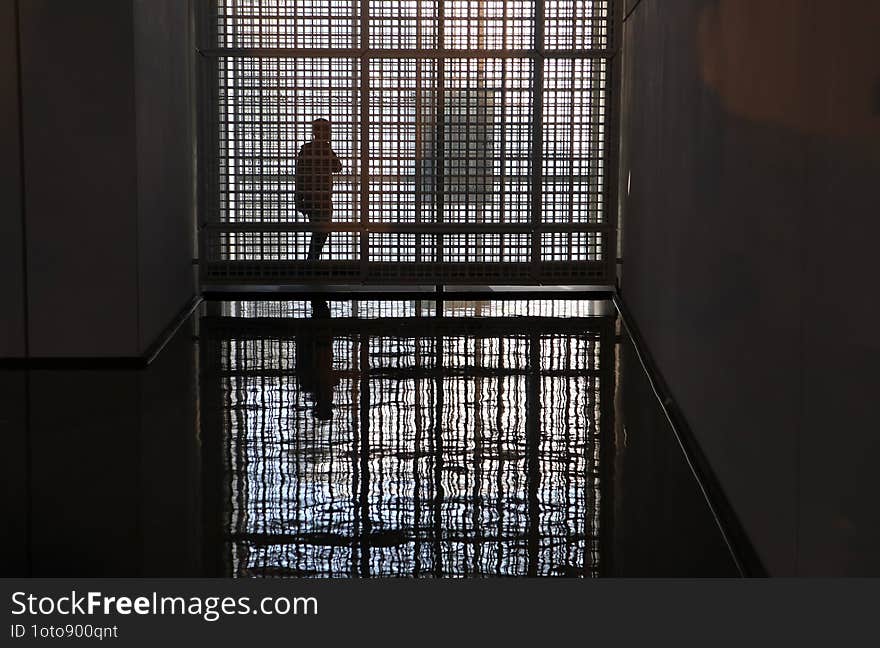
{"points": [[435, 121], [447, 453]]}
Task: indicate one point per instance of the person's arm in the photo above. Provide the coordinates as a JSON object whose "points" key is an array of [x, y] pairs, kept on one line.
{"points": [[298, 175], [337, 165], [300, 168]]}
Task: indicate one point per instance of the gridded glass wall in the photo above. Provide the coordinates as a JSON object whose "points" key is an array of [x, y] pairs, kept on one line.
{"points": [[452, 447], [472, 136]]}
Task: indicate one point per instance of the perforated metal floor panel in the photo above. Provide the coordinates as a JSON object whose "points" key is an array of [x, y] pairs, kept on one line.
{"points": [[473, 138]]}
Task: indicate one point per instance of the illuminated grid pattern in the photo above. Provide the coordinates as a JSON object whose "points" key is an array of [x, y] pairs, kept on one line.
{"points": [[576, 24], [490, 24], [447, 454], [574, 132], [404, 25], [287, 23], [471, 134]]}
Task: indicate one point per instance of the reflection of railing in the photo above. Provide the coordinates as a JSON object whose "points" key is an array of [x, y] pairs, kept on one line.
{"points": [[456, 447], [402, 181]]}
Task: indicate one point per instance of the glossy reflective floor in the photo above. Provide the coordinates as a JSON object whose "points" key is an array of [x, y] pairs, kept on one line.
{"points": [[359, 439]]}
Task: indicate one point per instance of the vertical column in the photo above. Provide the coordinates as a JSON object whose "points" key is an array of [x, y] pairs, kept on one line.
{"points": [[365, 136], [537, 137], [440, 131], [208, 152], [419, 125], [611, 239], [163, 154]]}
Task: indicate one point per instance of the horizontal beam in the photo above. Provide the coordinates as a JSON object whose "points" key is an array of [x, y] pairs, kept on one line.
{"points": [[383, 53], [553, 273], [408, 292], [404, 228], [377, 179]]}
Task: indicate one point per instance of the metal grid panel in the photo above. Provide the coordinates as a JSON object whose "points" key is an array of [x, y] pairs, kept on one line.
{"points": [[402, 247], [487, 146], [463, 144], [401, 93], [279, 246], [573, 173], [571, 246], [404, 25], [266, 106], [286, 23], [577, 24], [443, 454], [490, 24]]}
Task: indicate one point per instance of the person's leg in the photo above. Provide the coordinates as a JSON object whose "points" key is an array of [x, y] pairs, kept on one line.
{"points": [[316, 244], [318, 239]]}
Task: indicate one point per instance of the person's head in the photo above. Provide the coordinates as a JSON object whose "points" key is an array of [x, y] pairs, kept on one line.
{"points": [[321, 129]]}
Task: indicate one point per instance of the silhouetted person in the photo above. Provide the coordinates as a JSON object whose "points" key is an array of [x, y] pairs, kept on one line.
{"points": [[314, 363], [315, 167]]}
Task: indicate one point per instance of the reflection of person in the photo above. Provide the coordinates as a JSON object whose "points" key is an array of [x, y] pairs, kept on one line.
{"points": [[314, 363], [315, 167]]}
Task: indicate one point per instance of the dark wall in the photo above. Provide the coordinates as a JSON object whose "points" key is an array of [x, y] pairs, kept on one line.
{"points": [[661, 526], [106, 203], [750, 155], [170, 460], [112, 484], [12, 323], [80, 177], [85, 495], [165, 147], [15, 467]]}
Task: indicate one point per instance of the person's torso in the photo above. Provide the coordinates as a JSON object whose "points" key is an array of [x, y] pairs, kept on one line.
{"points": [[314, 169]]}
